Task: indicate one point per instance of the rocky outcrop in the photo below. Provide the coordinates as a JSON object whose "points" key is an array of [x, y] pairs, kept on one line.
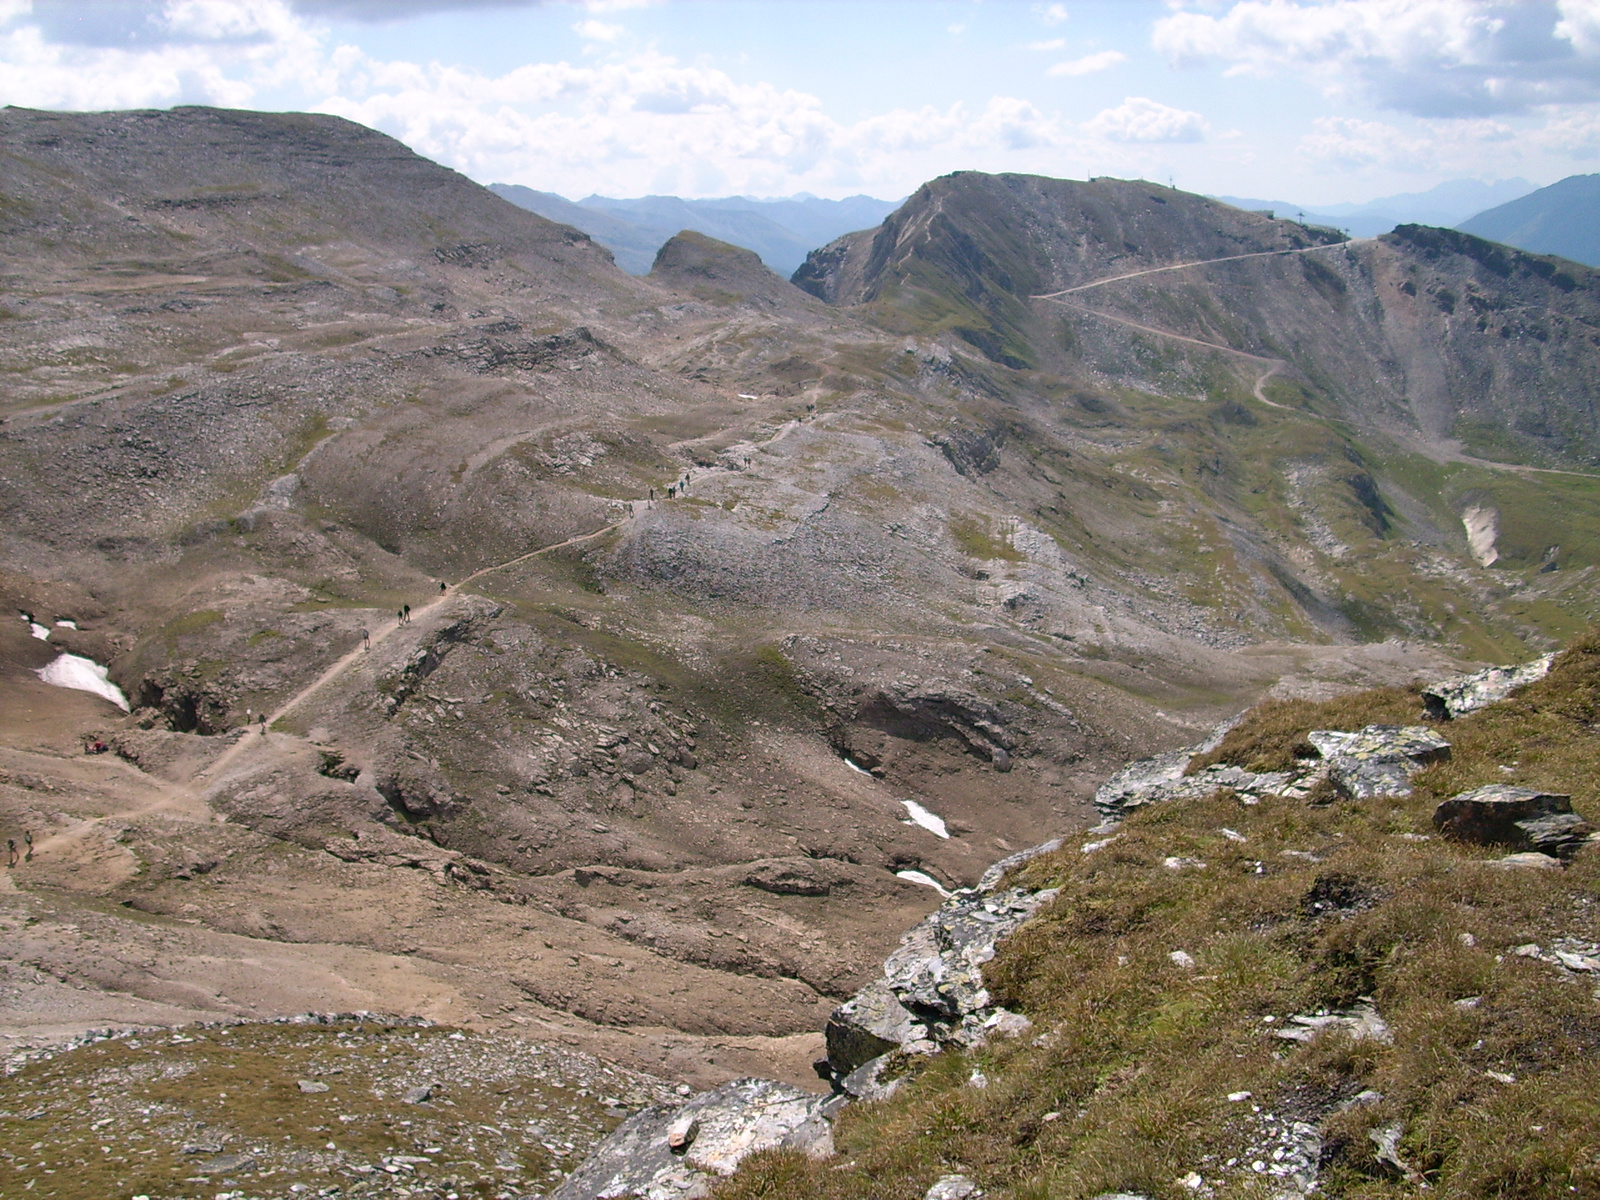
{"points": [[1514, 816], [1378, 760], [1463, 694], [674, 1152], [1161, 778], [931, 994]]}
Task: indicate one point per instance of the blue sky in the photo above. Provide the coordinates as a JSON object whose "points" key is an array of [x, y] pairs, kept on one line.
{"points": [[1315, 101]]}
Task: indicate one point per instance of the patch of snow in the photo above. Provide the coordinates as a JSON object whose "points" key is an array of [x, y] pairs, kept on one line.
{"points": [[858, 770], [84, 675], [67, 623], [924, 880], [1483, 528], [42, 632], [921, 816]]}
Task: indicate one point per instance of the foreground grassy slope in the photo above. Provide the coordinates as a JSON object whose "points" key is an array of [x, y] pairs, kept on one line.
{"points": [[1490, 1085]]}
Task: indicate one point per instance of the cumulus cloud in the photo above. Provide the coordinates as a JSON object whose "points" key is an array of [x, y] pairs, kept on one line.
{"points": [[627, 124], [1140, 119], [1430, 58], [598, 31], [1459, 146], [1050, 14], [1089, 63], [1351, 143]]}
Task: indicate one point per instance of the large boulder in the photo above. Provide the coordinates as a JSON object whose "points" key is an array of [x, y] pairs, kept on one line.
{"points": [[1514, 816], [668, 1152], [1462, 694], [1378, 760], [870, 1024]]}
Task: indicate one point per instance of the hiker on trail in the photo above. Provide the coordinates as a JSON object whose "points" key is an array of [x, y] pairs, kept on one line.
{"points": [[408, 614], [11, 851], [366, 640], [27, 836], [263, 725], [442, 587], [399, 617]]}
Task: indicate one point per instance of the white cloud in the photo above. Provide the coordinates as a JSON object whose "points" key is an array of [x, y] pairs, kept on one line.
{"points": [[1089, 63], [1351, 143], [1140, 119], [1050, 14], [1444, 146], [1580, 24], [598, 31], [1431, 58]]}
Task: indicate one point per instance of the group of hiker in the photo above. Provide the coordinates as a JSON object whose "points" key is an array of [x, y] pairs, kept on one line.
{"points": [[11, 849]]}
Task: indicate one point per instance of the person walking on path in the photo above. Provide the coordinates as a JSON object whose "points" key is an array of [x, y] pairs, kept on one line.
{"points": [[366, 639], [408, 614], [11, 852], [27, 837], [442, 587], [263, 725]]}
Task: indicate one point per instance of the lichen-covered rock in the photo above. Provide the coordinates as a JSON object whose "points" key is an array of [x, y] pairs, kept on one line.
{"points": [[869, 1024], [1161, 778], [991, 878], [937, 972], [931, 993], [1462, 694], [670, 1152], [1378, 760], [1514, 816], [1142, 782], [866, 1082], [953, 1187]]}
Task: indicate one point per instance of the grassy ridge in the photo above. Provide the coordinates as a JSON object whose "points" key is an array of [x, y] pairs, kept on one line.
{"points": [[1489, 1087]]}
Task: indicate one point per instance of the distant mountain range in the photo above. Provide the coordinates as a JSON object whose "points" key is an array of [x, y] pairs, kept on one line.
{"points": [[1445, 206], [1563, 219], [782, 232]]}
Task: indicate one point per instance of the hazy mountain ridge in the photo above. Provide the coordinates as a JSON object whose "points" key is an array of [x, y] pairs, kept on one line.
{"points": [[782, 232], [1563, 219], [1445, 204]]}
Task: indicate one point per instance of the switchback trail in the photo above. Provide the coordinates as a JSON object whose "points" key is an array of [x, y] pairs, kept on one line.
{"points": [[448, 593], [1274, 365], [187, 797], [1204, 262]]}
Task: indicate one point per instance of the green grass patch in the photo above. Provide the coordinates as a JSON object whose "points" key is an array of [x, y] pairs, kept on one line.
{"points": [[976, 535]]}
